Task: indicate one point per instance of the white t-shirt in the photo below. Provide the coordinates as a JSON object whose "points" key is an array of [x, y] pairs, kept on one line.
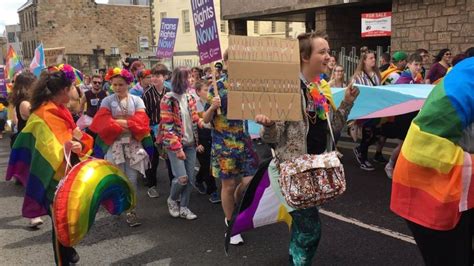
{"points": [[126, 107]]}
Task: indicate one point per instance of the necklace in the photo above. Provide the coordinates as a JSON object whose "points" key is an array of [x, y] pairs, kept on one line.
{"points": [[123, 108]]}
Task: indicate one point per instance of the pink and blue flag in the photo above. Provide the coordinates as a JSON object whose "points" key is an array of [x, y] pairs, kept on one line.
{"points": [[38, 63]]}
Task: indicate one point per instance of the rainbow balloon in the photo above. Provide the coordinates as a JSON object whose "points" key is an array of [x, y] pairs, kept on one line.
{"points": [[88, 185]]}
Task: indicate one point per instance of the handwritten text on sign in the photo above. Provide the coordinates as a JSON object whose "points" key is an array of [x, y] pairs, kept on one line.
{"points": [[54, 56], [207, 33], [263, 76]]}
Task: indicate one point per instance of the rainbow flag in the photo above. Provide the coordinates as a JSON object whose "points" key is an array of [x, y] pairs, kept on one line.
{"points": [[261, 205], [37, 157], [13, 65], [432, 181]]}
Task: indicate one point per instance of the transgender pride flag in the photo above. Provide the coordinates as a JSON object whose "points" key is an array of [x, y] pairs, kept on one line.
{"points": [[38, 63]]}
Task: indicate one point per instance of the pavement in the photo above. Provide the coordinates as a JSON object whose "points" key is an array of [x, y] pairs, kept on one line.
{"points": [[357, 229]]}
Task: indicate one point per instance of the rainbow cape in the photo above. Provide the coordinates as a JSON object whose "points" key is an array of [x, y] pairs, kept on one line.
{"points": [[432, 181], [13, 64], [108, 131], [37, 156]]}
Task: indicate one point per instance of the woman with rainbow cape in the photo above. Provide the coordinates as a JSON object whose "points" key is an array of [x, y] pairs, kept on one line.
{"points": [[432, 187], [123, 133], [37, 158]]}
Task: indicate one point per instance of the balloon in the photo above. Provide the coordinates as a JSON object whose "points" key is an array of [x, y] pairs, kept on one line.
{"points": [[88, 185]]}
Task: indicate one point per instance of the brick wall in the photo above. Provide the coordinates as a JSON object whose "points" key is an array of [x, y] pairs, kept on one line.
{"points": [[432, 25]]}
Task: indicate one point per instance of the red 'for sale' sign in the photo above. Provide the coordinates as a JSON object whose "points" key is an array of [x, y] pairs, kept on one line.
{"points": [[376, 24]]}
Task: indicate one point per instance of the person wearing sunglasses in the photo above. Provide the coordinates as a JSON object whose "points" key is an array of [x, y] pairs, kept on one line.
{"points": [[440, 67], [92, 99]]}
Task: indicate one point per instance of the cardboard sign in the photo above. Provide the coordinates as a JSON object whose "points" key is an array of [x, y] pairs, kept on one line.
{"points": [[167, 39], [376, 24], [54, 56], [264, 78], [207, 32]]}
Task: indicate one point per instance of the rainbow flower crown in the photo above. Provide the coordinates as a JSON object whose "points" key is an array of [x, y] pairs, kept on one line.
{"points": [[72, 74], [125, 74]]}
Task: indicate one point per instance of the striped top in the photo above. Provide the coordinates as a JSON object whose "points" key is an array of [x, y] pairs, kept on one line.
{"points": [[151, 97]]}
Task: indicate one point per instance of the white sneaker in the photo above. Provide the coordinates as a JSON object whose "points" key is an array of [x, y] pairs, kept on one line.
{"points": [[187, 214], [173, 208], [236, 240], [152, 192], [389, 170], [35, 222]]}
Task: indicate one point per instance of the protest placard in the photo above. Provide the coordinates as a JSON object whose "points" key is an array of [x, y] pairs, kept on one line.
{"points": [[264, 78], [167, 39], [54, 56], [3, 83], [207, 32]]}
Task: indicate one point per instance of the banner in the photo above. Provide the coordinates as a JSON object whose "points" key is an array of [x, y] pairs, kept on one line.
{"points": [[54, 56], [207, 32], [167, 39], [264, 78], [3, 85], [385, 101], [376, 24], [38, 62]]}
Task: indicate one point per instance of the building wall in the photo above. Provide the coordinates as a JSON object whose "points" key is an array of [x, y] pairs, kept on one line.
{"points": [[83, 25], [343, 26], [433, 25], [13, 35]]}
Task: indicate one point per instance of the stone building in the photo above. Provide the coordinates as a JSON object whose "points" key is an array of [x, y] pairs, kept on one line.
{"points": [[429, 24], [94, 35]]}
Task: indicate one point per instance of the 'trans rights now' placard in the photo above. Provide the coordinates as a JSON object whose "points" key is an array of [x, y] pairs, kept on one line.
{"points": [[167, 39], [207, 32], [264, 78]]}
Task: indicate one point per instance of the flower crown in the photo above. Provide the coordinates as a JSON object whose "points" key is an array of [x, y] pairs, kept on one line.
{"points": [[71, 74], [144, 73], [125, 74]]}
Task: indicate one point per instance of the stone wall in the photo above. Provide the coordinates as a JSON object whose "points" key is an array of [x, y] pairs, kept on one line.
{"points": [[82, 26], [432, 25]]}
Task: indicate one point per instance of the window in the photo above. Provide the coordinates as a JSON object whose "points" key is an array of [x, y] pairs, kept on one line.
{"points": [[223, 26], [256, 27], [11, 37], [186, 24], [162, 16], [273, 26]]}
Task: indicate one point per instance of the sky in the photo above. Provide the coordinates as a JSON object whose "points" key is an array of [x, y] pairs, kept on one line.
{"points": [[8, 14]]}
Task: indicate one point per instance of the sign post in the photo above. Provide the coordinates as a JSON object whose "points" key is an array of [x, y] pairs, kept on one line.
{"points": [[167, 39], [376, 24], [207, 35], [263, 74]]}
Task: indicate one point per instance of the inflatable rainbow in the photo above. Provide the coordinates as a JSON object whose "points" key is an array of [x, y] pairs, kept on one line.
{"points": [[88, 185]]}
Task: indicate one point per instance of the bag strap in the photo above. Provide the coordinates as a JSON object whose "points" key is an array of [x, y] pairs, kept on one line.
{"points": [[328, 118]]}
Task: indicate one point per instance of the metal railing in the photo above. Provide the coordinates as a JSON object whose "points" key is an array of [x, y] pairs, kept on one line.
{"points": [[349, 59]]}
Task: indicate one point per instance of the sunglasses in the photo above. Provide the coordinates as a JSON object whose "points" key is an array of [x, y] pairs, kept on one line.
{"points": [[447, 54], [97, 82]]}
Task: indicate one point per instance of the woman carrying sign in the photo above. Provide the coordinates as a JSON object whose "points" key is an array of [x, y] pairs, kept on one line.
{"points": [[293, 139]]}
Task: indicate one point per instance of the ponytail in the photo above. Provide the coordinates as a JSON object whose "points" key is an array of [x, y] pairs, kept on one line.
{"points": [[48, 86]]}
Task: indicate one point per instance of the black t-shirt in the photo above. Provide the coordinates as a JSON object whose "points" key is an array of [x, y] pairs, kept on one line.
{"points": [[317, 134], [93, 101]]}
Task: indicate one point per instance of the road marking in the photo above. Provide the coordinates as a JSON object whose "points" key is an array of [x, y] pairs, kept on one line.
{"points": [[374, 228]]}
